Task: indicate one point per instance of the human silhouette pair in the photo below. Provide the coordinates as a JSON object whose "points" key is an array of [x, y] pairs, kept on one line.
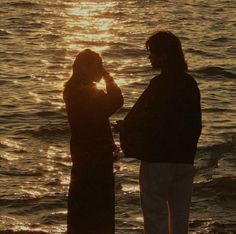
{"points": [[161, 130]]}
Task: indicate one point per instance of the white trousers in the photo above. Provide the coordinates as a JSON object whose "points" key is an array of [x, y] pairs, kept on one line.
{"points": [[166, 191]]}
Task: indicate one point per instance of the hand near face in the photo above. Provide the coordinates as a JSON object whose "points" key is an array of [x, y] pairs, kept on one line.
{"points": [[106, 76]]}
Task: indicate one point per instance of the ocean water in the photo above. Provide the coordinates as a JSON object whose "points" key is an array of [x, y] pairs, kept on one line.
{"points": [[39, 41]]}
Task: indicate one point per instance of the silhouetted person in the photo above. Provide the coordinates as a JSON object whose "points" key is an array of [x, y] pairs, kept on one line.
{"points": [[91, 192], [167, 119]]}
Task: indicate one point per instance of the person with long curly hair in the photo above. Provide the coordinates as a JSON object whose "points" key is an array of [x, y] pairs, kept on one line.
{"points": [[91, 191]]}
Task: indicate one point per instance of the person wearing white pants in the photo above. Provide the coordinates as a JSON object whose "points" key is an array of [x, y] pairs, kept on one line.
{"points": [[162, 130], [165, 191]]}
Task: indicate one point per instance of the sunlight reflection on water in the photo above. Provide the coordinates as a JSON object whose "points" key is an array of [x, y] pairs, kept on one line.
{"points": [[40, 39], [95, 29]]}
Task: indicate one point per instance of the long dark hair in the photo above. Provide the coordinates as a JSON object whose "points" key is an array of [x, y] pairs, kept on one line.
{"points": [[166, 43], [83, 62]]}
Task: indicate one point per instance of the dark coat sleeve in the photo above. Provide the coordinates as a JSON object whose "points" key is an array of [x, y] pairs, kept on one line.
{"points": [[177, 112], [108, 103], [193, 115]]}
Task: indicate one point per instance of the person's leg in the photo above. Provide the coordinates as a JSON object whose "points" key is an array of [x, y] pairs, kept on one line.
{"points": [[91, 196], [180, 197], [154, 183], [73, 205], [103, 195]]}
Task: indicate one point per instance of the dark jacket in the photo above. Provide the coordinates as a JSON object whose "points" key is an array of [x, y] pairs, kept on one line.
{"points": [[88, 111], [167, 117]]}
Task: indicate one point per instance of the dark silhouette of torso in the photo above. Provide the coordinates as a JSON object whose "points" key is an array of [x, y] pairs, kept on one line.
{"points": [[169, 114], [91, 193]]}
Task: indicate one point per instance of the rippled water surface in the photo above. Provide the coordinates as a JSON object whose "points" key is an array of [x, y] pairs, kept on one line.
{"points": [[39, 40]]}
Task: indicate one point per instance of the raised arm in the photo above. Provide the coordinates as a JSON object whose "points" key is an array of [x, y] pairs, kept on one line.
{"points": [[109, 102]]}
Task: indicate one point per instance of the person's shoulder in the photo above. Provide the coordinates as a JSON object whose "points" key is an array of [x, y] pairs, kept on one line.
{"points": [[192, 85], [69, 93], [155, 80], [189, 76], [190, 80]]}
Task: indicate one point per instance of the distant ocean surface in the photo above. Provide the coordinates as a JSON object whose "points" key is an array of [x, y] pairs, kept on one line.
{"points": [[39, 41]]}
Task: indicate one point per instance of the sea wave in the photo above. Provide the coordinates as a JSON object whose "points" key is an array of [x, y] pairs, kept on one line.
{"points": [[214, 71], [219, 188], [23, 4], [212, 154], [198, 52], [60, 113], [221, 39], [51, 37], [217, 110], [17, 202], [231, 50], [13, 115], [3, 82], [53, 218], [4, 32], [46, 132], [209, 226], [21, 173], [11, 146], [22, 232], [228, 146]]}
